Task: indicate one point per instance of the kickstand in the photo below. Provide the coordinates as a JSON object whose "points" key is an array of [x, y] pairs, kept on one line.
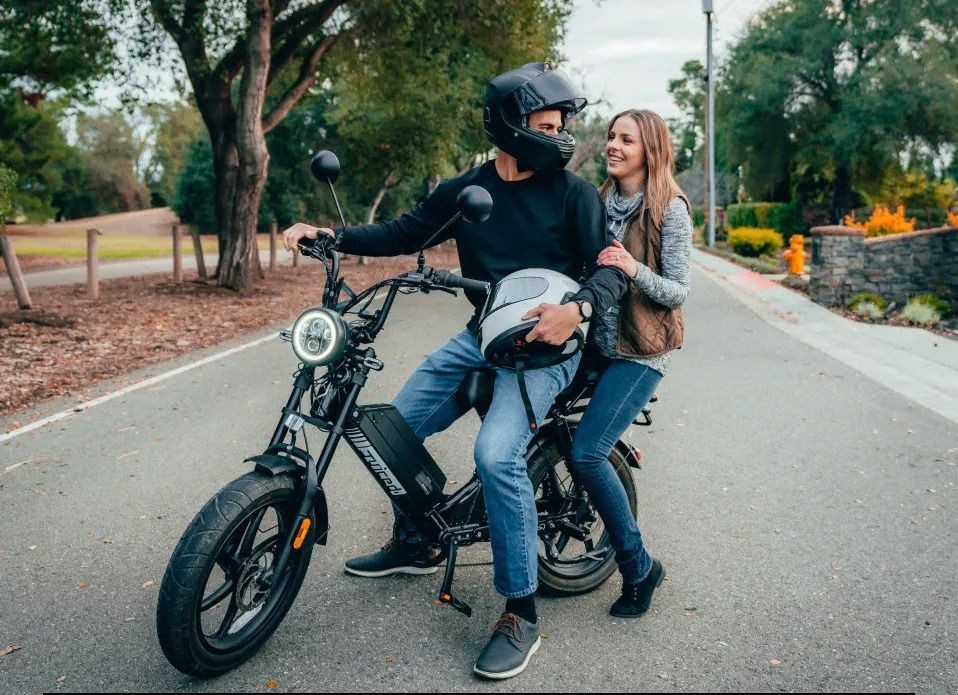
{"points": [[445, 593]]}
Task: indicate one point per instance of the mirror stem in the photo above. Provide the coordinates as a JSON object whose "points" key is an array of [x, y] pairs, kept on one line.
{"points": [[336, 200], [422, 259]]}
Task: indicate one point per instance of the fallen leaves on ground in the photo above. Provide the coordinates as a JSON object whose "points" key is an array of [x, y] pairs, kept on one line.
{"points": [[10, 649], [775, 662], [271, 684], [148, 319]]}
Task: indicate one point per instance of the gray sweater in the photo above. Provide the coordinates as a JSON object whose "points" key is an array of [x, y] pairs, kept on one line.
{"points": [[668, 289]]}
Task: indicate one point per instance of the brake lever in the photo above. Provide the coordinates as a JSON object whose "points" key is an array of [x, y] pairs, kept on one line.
{"points": [[447, 290]]}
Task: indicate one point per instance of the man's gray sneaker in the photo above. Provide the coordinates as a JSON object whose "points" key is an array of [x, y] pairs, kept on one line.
{"points": [[513, 643], [393, 558]]}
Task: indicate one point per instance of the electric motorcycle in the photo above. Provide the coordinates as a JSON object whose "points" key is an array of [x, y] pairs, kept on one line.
{"points": [[239, 565]]}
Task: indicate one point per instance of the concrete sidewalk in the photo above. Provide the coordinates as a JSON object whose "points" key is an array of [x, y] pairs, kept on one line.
{"points": [[913, 362]]}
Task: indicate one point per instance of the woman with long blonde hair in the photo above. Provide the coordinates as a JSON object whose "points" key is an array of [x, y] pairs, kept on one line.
{"points": [[649, 220]]}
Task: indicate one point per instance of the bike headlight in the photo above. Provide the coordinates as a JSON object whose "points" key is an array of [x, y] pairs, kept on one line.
{"points": [[319, 337]]}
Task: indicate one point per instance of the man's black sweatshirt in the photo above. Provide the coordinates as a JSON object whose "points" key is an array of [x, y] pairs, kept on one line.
{"points": [[554, 220]]}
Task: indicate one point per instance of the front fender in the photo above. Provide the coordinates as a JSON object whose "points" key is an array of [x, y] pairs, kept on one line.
{"points": [[271, 464]]}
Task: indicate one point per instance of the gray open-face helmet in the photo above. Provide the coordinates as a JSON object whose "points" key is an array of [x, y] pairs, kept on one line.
{"points": [[502, 330]]}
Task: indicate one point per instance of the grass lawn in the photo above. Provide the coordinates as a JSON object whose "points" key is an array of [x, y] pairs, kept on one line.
{"points": [[71, 243]]}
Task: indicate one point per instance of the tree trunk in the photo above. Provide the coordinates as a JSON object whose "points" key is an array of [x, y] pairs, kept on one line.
{"points": [[225, 169], [842, 202], [374, 207], [251, 149]]}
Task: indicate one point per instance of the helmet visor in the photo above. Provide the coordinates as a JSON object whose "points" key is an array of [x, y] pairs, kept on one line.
{"points": [[545, 91], [512, 290]]}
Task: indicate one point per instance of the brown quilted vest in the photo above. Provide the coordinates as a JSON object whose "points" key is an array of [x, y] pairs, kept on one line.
{"points": [[646, 328]]}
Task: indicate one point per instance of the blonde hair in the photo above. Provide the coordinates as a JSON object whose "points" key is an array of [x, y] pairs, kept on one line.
{"points": [[660, 184]]}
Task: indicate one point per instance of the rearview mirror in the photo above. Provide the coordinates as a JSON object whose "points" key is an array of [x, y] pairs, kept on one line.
{"points": [[325, 166], [475, 204]]}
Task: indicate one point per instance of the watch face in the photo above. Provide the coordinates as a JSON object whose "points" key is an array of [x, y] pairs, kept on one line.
{"points": [[585, 309]]}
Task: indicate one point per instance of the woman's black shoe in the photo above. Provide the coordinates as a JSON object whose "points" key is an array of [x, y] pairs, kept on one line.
{"points": [[636, 598]]}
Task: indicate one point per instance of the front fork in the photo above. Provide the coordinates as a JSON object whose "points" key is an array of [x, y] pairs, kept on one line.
{"points": [[299, 530]]}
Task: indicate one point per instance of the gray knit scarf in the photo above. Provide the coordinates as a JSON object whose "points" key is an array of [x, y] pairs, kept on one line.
{"points": [[621, 210]]}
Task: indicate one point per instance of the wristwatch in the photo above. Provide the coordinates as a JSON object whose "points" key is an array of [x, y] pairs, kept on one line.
{"points": [[585, 309]]}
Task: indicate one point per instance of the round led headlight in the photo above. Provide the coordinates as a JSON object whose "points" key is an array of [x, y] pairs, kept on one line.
{"points": [[319, 337]]}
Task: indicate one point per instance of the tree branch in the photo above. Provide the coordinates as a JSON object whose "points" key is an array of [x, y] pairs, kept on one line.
{"points": [[306, 78], [291, 30], [188, 37], [294, 33]]}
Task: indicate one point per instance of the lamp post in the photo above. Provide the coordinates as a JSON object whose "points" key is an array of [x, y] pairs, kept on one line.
{"points": [[708, 9]]}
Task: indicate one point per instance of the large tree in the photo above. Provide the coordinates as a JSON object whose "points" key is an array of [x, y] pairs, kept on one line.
{"points": [[53, 45], [831, 92], [250, 62]]}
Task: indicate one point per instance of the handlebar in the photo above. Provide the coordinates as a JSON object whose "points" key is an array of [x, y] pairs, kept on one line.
{"points": [[446, 279]]}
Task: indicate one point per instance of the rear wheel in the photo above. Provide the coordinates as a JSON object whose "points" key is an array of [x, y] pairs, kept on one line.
{"points": [[213, 613], [578, 557]]}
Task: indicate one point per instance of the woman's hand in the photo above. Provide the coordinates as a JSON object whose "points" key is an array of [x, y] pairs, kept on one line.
{"points": [[617, 256], [302, 230]]}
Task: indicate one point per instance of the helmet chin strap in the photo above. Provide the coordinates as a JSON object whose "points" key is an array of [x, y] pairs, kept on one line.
{"points": [[521, 377]]}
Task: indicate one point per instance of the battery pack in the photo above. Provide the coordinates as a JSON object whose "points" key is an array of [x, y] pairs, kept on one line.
{"points": [[387, 445]]}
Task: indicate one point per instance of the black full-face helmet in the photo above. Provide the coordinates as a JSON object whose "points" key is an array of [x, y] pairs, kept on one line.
{"points": [[512, 96]]}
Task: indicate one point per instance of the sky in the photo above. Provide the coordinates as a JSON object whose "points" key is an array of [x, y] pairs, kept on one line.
{"points": [[625, 51]]}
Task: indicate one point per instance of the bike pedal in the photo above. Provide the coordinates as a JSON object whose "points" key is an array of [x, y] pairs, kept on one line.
{"points": [[460, 606]]}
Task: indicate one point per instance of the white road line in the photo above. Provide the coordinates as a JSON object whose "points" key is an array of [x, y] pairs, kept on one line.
{"points": [[64, 414]]}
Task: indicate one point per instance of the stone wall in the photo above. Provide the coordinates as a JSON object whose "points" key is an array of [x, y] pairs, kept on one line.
{"points": [[898, 266]]}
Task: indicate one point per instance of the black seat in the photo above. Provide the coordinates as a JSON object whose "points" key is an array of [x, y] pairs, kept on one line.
{"points": [[476, 389]]}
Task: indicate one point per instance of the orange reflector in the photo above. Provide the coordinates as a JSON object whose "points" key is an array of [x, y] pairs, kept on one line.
{"points": [[301, 534], [446, 597]]}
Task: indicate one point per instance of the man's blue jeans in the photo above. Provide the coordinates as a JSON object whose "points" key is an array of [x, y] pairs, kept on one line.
{"points": [[623, 390], [427, 402]]}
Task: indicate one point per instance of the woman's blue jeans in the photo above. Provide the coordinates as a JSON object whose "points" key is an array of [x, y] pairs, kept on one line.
{"points": [[427, 402], [623, 390]]}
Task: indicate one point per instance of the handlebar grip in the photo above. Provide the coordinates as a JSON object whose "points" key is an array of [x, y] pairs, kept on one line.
{"points": [[316, 247], [447, 279]]}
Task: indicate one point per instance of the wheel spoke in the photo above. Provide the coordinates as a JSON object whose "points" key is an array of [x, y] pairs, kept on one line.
{"points": [[214, 598], [249, 534], [228, 619]]}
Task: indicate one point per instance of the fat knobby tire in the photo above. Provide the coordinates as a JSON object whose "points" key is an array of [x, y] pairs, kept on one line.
{"points": [[177, 614]]}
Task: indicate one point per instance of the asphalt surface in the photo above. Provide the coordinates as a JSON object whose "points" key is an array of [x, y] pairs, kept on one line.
{"points": [[804, 512]]}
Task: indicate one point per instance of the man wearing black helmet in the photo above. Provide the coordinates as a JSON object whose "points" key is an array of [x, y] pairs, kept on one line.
{"points": [[542, 217]]}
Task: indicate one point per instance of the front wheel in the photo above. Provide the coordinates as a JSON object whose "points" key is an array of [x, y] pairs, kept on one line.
{"points": [[213, 613], [579, 557]]}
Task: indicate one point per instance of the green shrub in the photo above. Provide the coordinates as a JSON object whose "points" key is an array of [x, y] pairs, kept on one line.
{"points": [[867, 297], [754, 241], [934, 301], [698, 217], [920, 314], [784, 218], [868, 310]]}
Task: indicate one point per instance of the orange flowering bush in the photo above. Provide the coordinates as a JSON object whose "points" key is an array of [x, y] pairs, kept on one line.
{"points": [[952, 219], [883, 221]]}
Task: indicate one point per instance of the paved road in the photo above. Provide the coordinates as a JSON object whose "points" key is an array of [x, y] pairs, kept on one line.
{"points": [[805, 513]]}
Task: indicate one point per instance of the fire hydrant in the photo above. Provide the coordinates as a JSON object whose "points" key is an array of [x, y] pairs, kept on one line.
{"points": [[795, 254]]}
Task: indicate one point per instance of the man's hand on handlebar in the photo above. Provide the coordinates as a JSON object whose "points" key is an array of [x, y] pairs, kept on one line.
{"points": [[301, 230], [556, 322]]}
